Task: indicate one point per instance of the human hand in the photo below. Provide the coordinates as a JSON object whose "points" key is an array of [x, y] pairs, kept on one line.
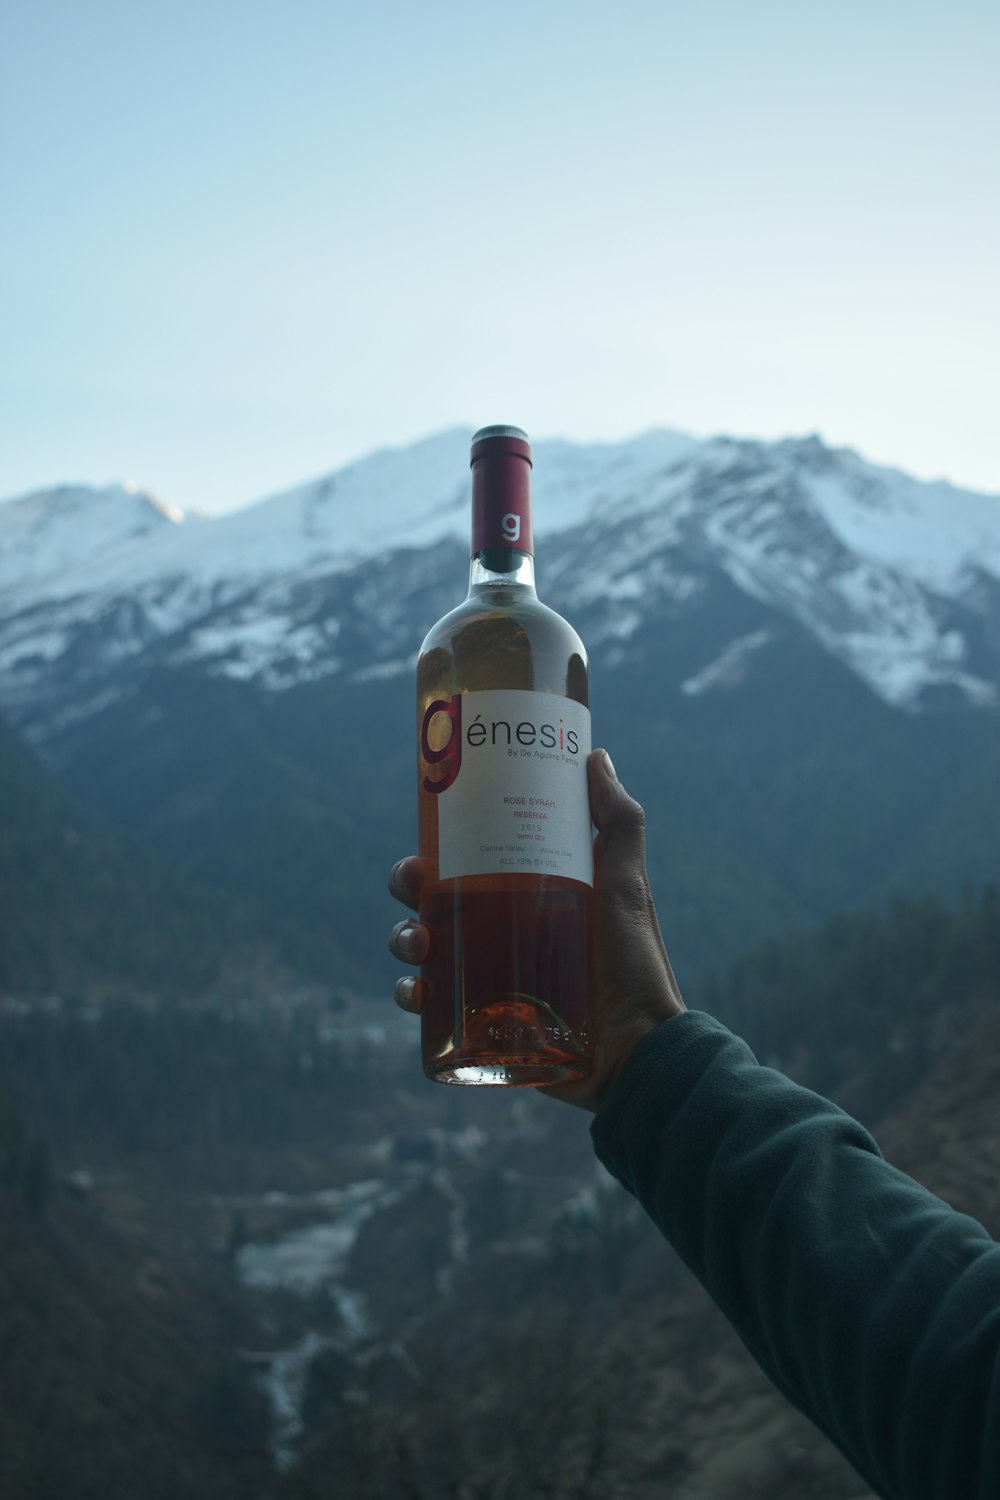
{"points": [[634, 985]]}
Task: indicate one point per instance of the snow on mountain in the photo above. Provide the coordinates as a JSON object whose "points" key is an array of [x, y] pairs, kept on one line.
{"points": [[71, 541], [415, 496], [933, 532], [729, 667], [873, 563], [886, 571], [52, 534], [234, 586]]}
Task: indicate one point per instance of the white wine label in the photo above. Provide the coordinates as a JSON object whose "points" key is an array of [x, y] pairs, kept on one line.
{"points": [[512, 789]]}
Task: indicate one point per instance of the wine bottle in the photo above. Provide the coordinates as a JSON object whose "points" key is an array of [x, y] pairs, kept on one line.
{"points": [[503, 728]]}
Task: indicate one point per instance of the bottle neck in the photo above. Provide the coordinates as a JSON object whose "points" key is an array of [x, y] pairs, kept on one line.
{"points": [[502, 568], [502, 550]]}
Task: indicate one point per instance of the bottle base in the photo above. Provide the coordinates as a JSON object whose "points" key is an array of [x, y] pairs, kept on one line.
{"points": [[512, 1073], [513, 1041]]}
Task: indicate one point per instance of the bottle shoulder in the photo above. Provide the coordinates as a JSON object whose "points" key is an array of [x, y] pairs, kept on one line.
{"points": [[492, 642], [503, 614]]}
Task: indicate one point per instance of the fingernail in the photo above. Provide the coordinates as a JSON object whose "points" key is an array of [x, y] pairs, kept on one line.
{"points": [[405, 993], [394, 872], [406, 941], [609, 766]]}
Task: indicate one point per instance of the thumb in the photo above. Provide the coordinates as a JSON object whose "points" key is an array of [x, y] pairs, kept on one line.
{"points": [[620, 849]]}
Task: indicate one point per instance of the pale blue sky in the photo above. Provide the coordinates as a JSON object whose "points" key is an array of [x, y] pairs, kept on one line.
{"points": [[243, 243]]}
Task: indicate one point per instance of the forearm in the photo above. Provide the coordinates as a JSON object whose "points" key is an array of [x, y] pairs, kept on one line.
{"points": [[872, 1306]]}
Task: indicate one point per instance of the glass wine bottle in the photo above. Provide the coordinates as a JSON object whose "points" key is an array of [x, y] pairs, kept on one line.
{"points": [[503, 725]]}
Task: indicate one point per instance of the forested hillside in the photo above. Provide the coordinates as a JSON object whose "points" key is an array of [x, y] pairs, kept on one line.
{"points": [[634, 1384], [863, 1007], [119, 1376], [86, 910], [502, 1263]]}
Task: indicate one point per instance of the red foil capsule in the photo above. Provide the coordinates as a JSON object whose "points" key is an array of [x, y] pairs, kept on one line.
{"points": [[501, 490]]}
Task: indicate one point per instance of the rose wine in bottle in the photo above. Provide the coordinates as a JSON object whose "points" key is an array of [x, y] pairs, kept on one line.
{"points": [[503, 727]]}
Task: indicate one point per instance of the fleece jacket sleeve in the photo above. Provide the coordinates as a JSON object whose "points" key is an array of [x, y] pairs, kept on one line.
{"points": [[873, 1306]]}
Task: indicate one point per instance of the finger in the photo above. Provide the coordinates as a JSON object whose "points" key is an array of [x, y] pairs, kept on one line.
{"points": [[620, 846], [409, 994], [405, 879], [409, 941], [620, 823]]}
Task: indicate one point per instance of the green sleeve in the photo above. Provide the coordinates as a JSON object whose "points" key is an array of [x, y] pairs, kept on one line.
{"points": [[873, 1306]]}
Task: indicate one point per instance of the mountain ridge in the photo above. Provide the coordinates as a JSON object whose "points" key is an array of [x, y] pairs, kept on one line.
{"points": [[898, 578]]}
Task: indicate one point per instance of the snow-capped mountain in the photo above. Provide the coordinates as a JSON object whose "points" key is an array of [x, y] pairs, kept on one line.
{"points": [[796, 665], [896, 578]]}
